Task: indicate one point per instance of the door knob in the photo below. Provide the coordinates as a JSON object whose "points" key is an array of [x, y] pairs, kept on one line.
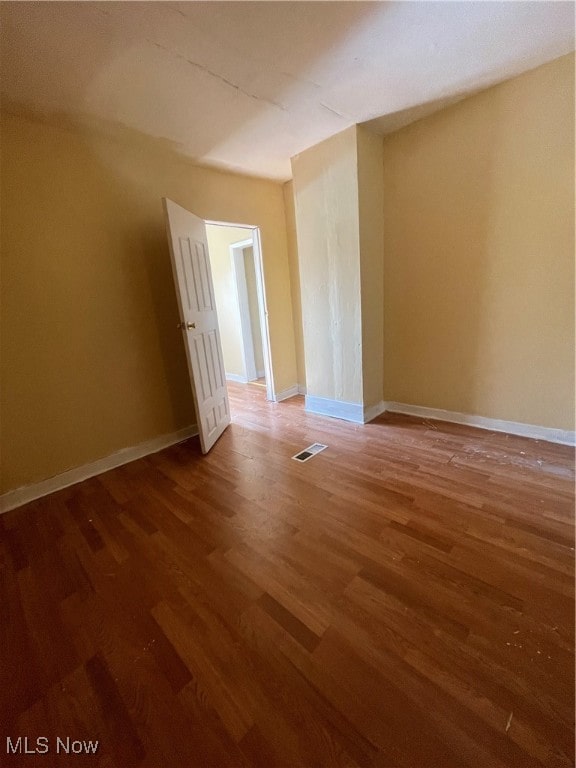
{"points": [[189, 326]]}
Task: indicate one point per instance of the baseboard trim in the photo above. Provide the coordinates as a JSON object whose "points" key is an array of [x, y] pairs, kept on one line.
{"points": [[550, 434], [287, 393], [372, 411], [23, 495], [235, 377], [337, 409], [302, 389]]}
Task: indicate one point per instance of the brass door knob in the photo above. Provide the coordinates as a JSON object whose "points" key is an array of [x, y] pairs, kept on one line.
{"points": [[188, 326]]}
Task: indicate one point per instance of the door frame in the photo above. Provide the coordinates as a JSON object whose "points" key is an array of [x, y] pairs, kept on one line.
{"points": [[246, 331], [256, 244]]}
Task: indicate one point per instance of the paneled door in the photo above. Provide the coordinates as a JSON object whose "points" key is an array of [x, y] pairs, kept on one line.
{"points": [[198, 320]]}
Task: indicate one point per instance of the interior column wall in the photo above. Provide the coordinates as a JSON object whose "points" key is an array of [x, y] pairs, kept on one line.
{"points": [[371, 229], [295, 288], [326, 208]]}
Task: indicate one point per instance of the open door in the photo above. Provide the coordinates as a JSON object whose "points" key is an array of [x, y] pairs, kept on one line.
{"points": [[198, 320]]}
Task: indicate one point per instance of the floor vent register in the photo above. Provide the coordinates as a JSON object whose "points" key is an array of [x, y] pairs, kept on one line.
{"points": [[309, 452]]}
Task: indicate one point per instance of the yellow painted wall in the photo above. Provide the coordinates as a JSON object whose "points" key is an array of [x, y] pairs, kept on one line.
{"points": [[371, 233], [479, 254], [219, 241], [326, 207], [91, 358], [295, 280]]}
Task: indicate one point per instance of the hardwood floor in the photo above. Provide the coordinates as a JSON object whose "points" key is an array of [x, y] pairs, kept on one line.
{"points": [[404, 598]]}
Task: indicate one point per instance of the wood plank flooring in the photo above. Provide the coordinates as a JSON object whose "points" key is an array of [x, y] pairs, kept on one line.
{"points": [[402, 600]]}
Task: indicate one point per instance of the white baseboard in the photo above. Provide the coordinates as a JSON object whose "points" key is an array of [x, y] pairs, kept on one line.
{"points": [[19, 496], [286, 393], [237, 378], [338, 409], [372, 411], [550, 434], [302, 389]]}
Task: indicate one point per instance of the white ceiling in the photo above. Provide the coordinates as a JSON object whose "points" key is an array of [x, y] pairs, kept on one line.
{"points": [[247, 85]]}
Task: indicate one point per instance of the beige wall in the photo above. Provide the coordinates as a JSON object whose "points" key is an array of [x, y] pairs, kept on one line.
{"points": [[479, 254], [219, 241], [295, 280], [326, 207], [91, 359], [370, 204]]}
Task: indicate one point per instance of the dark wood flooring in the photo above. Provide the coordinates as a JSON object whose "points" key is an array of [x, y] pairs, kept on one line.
{"points": [[405, 598]]}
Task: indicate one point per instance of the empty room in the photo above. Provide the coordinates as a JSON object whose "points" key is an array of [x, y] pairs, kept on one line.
{"points": [[287, 384]]}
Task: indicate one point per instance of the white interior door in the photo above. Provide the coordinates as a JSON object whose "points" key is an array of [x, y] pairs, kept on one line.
{"points": [[198, 320]]}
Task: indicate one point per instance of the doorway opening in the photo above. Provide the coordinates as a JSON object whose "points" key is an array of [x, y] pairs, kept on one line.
{"points": [[235, 256]]}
